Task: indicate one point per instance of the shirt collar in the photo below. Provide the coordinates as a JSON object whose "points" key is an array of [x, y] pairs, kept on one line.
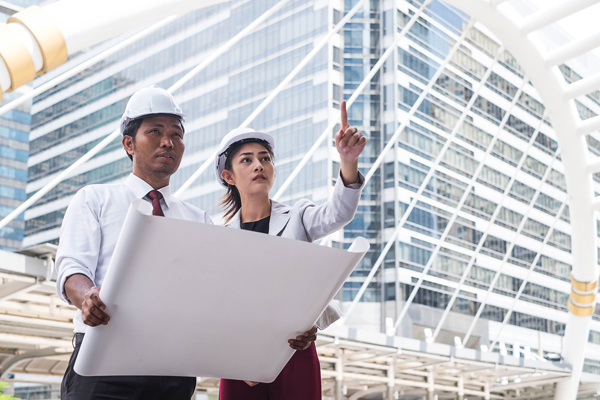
{"points": [[140, 188]]}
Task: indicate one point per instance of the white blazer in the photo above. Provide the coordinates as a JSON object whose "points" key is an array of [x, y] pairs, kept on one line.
{"points": [[308, 222]]}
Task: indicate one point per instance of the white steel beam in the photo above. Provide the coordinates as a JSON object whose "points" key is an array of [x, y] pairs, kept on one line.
{"points": [[9, 8], [572, 49], [546, 17], [526, 280], [496, 3], [186, 185], [367, 80], [593, 166], [115, 134], [588, 126], [85, 65], [582, 86]]}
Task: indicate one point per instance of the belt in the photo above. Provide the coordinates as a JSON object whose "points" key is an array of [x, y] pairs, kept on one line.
{"points": [[78, 339]]}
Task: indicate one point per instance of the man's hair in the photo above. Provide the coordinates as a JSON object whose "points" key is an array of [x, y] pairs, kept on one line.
{"points": [[134, 125]]}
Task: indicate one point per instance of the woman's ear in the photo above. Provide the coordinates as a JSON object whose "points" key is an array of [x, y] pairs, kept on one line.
{"points": [[228, 177]]}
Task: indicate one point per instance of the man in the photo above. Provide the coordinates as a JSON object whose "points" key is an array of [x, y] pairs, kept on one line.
{"points": [[152, 128]]}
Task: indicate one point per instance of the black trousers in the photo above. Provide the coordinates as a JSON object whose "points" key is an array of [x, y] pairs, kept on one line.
{"points": [[77, 387]]}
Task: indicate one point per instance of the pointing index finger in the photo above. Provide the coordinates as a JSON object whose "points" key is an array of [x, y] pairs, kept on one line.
{"points": [[344, 117]]}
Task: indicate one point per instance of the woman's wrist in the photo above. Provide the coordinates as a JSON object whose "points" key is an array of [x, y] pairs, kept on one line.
{"points": [[349, 171]]}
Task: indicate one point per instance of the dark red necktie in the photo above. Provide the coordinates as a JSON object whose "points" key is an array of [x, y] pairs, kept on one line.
{"points": [[155, 196]]}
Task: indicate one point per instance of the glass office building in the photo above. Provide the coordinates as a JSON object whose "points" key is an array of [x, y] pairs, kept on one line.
{"points": [[471, 191]]}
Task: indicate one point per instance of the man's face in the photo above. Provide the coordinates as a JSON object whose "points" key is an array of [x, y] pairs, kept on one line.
{"points": [[158, 146]]}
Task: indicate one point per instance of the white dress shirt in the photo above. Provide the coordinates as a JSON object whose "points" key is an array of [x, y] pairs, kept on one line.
{"points": [[92, 225]]}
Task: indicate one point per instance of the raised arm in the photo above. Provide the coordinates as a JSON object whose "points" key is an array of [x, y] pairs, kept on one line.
{"points": [[320, 221], [350, 143]]}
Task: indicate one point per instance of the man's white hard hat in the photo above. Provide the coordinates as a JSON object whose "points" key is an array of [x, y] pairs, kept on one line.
{"points": [[150, 101], [232, 140]]}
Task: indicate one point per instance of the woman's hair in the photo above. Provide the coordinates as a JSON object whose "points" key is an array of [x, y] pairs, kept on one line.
{"points": [[231, 201]]}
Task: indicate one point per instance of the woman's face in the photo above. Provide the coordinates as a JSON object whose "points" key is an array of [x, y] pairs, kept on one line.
{"points": [[252, 170]]}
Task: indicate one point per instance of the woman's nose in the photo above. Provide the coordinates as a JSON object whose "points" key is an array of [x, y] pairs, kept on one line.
{"points": [[258, 167]]}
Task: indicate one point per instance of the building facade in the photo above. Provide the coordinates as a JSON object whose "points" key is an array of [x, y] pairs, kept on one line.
{"points": [[471, 190], [14, 152]]}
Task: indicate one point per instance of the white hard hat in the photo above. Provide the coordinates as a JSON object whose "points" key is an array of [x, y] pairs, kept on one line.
{"points": [[149, 101], [243, 135]]}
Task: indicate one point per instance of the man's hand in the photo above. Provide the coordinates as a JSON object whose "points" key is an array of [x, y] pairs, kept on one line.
{"points": [[92, 308], [304, 341], [350, 143]]}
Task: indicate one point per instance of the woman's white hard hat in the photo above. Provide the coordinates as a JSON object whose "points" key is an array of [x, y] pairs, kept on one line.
{"points": [[150, 101], [231, 139]]}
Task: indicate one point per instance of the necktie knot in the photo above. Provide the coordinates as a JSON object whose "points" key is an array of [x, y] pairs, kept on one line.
{"points": [[155, 196]]}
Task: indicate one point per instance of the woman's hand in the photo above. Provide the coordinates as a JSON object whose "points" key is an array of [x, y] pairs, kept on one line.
{"points": [[251, 384], [303, 342], [349, 143]]}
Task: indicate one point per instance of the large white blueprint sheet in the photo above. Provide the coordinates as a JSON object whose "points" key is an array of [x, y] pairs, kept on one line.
{"points": [[191, 299]]}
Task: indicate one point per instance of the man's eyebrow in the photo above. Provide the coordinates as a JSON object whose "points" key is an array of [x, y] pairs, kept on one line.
{"points": [[177, 126], [154, 124]]}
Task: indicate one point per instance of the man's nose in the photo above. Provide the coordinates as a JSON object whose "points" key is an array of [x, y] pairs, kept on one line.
{"points": [[166, 141]]}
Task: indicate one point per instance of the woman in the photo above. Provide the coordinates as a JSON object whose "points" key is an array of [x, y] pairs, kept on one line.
{"points": [[244, 165]]}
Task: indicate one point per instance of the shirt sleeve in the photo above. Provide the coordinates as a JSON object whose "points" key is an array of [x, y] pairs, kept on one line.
{"points": [[320, 221], [80, 238]]}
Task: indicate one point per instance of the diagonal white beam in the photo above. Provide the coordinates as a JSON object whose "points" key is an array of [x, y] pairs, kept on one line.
{"points": [[526, 280], [462, 201], [439, 158], [308, 156], [9, 8], [116, 133], [593, 166], [510, 247], [588, 126], [496, 3], [572, 49], [582, 86], [546, 17], [186, 185], [596, 203], [489, 227], [85, 65]]}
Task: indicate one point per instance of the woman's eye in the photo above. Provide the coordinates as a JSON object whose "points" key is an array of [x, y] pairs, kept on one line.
{"points": [[245, 159], [267, 159]]}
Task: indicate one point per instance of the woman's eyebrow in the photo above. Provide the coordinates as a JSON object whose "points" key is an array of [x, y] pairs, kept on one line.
{"points": [[246, 154]]}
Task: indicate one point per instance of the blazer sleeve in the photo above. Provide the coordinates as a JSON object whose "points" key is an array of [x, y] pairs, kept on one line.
{"points": [[331, 314], [320, 221]]}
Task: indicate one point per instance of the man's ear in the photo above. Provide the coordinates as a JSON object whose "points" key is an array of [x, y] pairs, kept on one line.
{"points": [[128, 144], [228, 177]]}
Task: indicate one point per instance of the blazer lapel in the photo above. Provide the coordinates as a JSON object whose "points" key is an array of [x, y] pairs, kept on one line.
{"points": [[234, 222], [280, 216]]}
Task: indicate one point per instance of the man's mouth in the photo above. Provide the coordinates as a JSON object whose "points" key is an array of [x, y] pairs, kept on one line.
{"points": [[166, 156]]}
